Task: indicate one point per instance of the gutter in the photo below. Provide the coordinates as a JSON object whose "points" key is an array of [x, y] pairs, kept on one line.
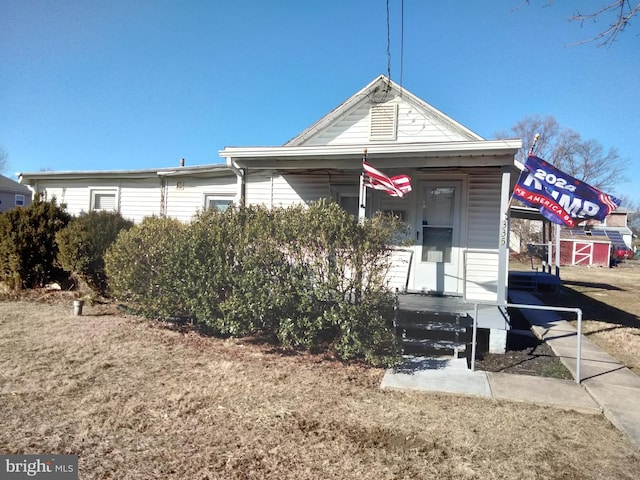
{"points": [[32, 188]]}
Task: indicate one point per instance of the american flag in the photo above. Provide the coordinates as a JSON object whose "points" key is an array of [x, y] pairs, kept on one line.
{"points": [[397, 186]]}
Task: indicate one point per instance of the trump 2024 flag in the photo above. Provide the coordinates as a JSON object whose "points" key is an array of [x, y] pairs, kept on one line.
{"points": [[561, 198]]}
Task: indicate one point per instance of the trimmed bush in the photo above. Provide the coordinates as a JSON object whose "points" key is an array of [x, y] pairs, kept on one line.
{"points": [[83, 243], [303, 277], [28, 245], [146, 267]]}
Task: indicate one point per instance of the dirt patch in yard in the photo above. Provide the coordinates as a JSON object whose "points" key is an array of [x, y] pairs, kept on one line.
{"points": [[525, 355], [135, 400]]}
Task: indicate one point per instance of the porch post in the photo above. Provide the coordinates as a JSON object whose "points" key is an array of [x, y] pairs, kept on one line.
{"points": [[557, 272], [503, 247], [362, 200]]}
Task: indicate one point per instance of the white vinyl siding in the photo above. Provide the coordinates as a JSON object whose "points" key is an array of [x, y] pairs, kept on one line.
{"points": [[484, 210], [397, 276], [481, 280], [414, 124], [139, 198], [482, 261], [275, 190], [135, 198], [186, 196]]}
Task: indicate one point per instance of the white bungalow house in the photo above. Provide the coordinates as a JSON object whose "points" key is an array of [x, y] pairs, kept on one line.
{"points": [[456, 213]]}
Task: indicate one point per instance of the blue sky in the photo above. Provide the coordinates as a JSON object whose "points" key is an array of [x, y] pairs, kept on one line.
{"points": [[96, 84]]}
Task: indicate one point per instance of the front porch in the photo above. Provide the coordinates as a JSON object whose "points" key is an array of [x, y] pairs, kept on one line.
{"points": [[436, 325]]}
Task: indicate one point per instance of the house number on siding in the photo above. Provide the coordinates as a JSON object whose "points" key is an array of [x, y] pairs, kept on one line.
{"points": [[503, 231]]}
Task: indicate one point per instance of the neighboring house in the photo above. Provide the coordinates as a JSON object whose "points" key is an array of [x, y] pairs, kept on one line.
{"points": [[615, 226], [13, 194], [456, 213]]}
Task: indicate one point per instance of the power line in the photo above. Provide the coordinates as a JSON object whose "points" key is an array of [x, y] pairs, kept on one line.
{"points": [[401, 45], [388, 44]]}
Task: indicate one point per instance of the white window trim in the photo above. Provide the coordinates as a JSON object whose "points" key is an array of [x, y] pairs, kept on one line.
{"points": [[93, 191], [227, 197], [22, 203]]}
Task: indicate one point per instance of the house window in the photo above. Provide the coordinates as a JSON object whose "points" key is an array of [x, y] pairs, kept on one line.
{"points": [[349, 203], [104, 199], [219, 202], [19, 200], [348, 197]]}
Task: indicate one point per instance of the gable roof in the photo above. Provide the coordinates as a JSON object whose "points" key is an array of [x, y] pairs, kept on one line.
{"points": [[434, 125], [423, 137], [11, 186]]}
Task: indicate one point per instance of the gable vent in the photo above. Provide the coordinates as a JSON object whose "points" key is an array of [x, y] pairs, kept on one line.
{"points": [[384, 120]]}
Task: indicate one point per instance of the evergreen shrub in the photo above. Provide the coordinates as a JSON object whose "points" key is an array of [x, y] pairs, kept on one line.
{"points": [[83, 242], [28, 246], [308, 277], [146, 267]]}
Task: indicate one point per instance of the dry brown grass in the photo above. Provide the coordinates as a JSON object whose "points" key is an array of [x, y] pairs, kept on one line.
{"points": [[610, 301], [137, 401]]}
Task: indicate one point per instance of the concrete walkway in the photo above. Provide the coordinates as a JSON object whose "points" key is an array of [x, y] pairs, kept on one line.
{"points": [[613, 386], [451, 376], [607, 386]]}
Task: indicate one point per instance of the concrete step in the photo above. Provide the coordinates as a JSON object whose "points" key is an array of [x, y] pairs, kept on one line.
{"points": [[432, 347], [431, 326]]}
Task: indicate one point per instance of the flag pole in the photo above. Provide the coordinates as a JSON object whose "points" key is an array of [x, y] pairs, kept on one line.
{"points": [[533, 146], [362, 199]]}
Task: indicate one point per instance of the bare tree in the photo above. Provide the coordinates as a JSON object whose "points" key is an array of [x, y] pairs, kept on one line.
{"points": [[617, 13], [565, 148], [3, 159]]}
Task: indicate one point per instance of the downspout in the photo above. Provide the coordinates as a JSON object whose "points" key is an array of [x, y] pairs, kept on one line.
{"points": [[241, 174], [34, 189]]}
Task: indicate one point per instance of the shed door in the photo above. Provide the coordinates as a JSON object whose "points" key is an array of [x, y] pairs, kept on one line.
{"points": [[437, 256], [583, 253]]}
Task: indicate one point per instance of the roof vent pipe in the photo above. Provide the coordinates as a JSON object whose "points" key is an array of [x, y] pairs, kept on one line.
{"points": [[182, 162]]}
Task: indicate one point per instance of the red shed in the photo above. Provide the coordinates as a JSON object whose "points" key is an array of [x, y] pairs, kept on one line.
{"points": [[585, 251]]}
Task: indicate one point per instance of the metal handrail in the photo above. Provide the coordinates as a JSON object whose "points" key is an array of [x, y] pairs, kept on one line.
{"points": [[577, 311]]}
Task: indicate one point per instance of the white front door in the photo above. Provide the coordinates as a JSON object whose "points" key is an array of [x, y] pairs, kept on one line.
{"points": [[438, 221]]}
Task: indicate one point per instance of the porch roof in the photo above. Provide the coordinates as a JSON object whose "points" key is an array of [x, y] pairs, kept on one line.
{"points": [[477, 153]]}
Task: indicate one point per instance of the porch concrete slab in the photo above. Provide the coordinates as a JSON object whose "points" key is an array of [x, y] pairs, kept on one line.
{"points": [[436, 375], [553, 392]]}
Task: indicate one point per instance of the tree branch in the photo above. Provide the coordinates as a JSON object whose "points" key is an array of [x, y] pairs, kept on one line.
{"points": [[622, 11]]}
